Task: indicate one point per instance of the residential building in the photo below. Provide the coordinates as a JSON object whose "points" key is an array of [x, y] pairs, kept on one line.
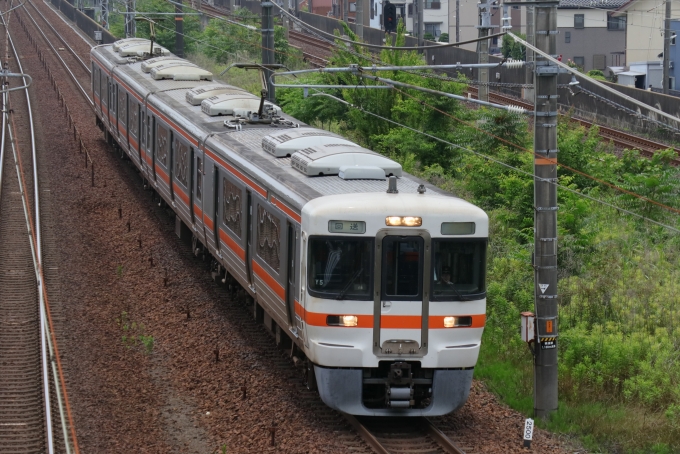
{"points": [[590, 35], [644, 27], [435, 15]]}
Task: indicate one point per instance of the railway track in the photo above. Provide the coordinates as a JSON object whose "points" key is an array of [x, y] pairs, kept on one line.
{"points": [[32, 384], [24, 393], [620, 139], [403, 436]]}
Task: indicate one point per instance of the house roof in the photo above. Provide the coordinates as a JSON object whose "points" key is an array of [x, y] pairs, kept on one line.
{"points": [[600, 4]]}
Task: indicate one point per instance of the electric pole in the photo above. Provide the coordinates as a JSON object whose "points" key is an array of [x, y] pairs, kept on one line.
{"points": [[105, 14], [345, 10], [130, 25], [665, 81], [457, 21], [529, 92], [483, 48], [419, 27], [268, 46], [360, 19], [545, 211], [179, 30], [232, 6]]}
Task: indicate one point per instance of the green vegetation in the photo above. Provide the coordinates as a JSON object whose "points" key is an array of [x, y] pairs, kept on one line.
{"points": [[619, 274], [444, 38], [596, 74], [512, 49], [134, 334], [619, 341]]}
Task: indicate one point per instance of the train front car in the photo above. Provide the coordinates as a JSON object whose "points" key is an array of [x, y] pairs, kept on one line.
{"points": [[394, 300]]}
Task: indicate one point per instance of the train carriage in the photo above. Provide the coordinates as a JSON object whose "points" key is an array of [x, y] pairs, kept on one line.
{"points": [[378, 278]]}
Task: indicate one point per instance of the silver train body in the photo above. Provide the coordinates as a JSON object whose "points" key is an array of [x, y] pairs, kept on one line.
{"points": [[383, 291]]}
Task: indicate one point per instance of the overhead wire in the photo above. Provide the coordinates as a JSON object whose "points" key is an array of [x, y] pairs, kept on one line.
{"points": [[509, 166]]}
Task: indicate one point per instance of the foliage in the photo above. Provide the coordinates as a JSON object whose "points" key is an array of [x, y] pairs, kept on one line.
{"points": [[512, 49], [596, 74], [429, 37], [134, 333], [444, 38]]}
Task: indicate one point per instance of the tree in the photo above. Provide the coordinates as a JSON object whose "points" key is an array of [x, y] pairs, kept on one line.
{"points": [[444, 38], [512, 49]]}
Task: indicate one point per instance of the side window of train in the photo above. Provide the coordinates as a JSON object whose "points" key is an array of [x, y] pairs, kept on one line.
{"points": [[181, 159], [113, 97], [268, 245], [105, 90], [162, 143], [149, 132], [122, 106], [199, 178], [232, 211], [134, 118], [95, 79]]}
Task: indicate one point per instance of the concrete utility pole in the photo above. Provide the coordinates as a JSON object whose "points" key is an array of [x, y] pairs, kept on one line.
{"points": [[360, 19], [232, 6], [179, 30], [483, 48], [666, 48], [345, 10], [419, 27], [268, 45], [457, 20], [529, 92], [545, 212]]}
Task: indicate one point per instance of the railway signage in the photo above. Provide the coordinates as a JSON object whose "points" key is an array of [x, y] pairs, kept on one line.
{"points": [[543, 287], [528, 432], [548, 343]]}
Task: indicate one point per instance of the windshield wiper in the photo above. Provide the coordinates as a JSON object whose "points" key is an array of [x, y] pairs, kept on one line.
{"points": [[345, 289]]}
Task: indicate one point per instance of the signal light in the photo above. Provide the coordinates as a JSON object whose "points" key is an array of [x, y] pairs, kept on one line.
{"points": [[390, 17]]}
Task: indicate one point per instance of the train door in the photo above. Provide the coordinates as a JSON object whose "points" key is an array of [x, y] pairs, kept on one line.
{"points": [[113, 116], [122, 119], [402, 315], [249, 237], [105, 100], [174, 148], [150, 141], [197, 199], [216, 206], [291, 271]]}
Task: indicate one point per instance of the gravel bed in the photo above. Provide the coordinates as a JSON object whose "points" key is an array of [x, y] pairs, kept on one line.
{"points": [[178, 398]]}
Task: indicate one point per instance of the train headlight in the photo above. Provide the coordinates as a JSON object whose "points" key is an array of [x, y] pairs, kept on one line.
{"points": [[404, 221], [455, 322], [342, 320]]}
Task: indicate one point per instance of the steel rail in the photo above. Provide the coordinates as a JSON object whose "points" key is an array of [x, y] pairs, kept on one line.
{"points": [[365, 434], [37, 248], [441, 439], [46, 321], [70, 49], [63, 63]]}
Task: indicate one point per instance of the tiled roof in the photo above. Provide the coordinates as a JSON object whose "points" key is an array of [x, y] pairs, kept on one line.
{"points": [[601, 4]]}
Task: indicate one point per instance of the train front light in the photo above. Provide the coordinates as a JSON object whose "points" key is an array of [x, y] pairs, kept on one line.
{"points": [[404, 221], [342, 320], [456, 322]]}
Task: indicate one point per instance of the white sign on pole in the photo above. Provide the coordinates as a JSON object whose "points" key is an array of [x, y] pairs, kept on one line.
{"points": [[543, 287]]}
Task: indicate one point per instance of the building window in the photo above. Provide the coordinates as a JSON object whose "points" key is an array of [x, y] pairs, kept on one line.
{"points": [[580, 61], [432, 5], [433, 29], [579, 21], [494, 41], [673, 39], [616, 23], [567, 37]]}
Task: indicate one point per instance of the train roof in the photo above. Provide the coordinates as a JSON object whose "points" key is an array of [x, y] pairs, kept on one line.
{"points": [[353, 169]]}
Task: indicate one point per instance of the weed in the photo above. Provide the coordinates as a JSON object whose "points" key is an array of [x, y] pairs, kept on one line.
{"points": [[134, 333]]}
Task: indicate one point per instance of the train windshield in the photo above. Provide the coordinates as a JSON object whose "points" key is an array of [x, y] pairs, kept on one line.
{"points": [[341, 268], [458, 269]]}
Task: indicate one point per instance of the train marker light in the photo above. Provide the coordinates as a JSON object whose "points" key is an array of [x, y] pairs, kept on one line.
{"points": [[404, 221], [342, 320], [457, 322]]}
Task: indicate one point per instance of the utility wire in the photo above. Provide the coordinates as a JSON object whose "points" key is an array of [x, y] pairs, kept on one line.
{"points": [[497, 161]]}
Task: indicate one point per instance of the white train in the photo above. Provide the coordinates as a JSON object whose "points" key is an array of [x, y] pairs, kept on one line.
{"points": [[377, 277]]}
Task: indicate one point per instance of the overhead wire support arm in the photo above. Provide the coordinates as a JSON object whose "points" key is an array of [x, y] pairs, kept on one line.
{"points": [[389, 83]]}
